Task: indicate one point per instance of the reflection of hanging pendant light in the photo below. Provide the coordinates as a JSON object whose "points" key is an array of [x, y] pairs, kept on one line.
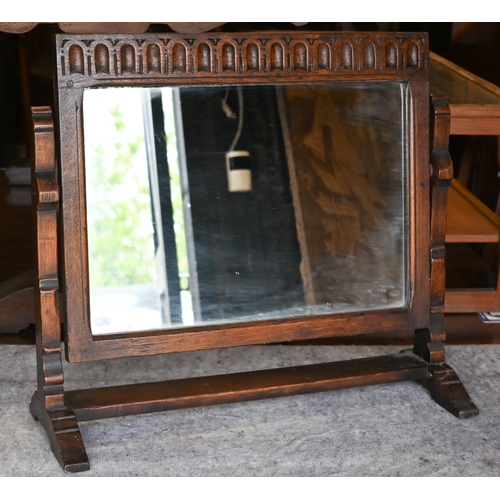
{"points": [[239, 175]]}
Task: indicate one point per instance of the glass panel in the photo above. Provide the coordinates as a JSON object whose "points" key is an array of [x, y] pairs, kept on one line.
{"points": [[456, 88], [227, 204], [125, 286]]}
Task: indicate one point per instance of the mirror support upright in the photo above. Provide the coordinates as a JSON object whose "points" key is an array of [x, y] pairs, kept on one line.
{"points": [[48, 402], [443, 382]]}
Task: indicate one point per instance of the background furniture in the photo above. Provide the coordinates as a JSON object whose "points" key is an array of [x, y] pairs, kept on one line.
{"points": [[473, 228]]}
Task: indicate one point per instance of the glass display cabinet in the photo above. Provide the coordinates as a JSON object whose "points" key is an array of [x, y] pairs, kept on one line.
{"points": [[473, 224]]}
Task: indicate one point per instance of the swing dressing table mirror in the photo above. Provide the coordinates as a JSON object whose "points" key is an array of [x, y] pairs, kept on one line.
{"points": [[223, 190]]}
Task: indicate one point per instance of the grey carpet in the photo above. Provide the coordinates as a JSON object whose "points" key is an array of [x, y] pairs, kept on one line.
{"points": [[387, 430]]}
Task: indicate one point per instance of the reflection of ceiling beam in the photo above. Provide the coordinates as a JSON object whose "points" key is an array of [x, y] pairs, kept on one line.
{"points": [[115, 27]]}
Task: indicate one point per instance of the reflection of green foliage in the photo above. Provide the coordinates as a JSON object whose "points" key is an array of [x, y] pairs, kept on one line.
{"points": [[176, 194], [120, 231]]}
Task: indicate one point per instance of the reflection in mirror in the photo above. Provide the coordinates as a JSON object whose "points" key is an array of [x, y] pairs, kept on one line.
{"points": [[227, 204]]}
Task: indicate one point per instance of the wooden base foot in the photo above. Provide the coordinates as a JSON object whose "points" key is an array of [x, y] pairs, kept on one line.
{"points": [[449, 392], [64, 435], [66, 441]]}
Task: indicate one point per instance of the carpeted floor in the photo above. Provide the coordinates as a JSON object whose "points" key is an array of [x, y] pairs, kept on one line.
{"points": [[386, 430]]}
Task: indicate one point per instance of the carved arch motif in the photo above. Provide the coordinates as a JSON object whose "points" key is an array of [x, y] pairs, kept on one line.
{"points": [[391, 55], [347, 56], [276, 56], [179, 57], [229, 58], [412, 55], [76, 59], [369, 58], [324, 56], [102, 58], [216, 54], [153, 58], [203, 59], [252, 55], [300, 56], [127, 57]]}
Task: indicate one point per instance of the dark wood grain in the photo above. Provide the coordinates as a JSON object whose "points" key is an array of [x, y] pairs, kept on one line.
{"points": [[47, 404], [64, 435], [448, 391], [105, 402], [468, 219], [443, 382], [155, 59], [429, 340]]}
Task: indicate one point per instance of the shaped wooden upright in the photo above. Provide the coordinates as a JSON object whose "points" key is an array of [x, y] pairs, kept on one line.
{"points": [[47, 404], [443, 382]]}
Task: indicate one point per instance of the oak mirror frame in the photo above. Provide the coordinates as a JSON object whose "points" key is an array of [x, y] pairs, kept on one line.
{"points": [[202, 62], [283, 65]]}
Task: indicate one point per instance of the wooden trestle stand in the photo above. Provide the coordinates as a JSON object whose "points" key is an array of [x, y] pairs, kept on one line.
{"points": [[59, 411]]}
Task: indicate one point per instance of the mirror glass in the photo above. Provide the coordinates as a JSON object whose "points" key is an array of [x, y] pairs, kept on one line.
{"points": [[230, 204]]}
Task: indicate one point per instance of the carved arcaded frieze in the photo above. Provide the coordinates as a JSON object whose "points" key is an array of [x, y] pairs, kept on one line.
{"points": [[213, 55]]}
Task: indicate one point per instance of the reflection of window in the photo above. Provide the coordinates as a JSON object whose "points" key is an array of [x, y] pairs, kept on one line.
{"points": [[136, 229], [119, 224], [170, 204]]}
